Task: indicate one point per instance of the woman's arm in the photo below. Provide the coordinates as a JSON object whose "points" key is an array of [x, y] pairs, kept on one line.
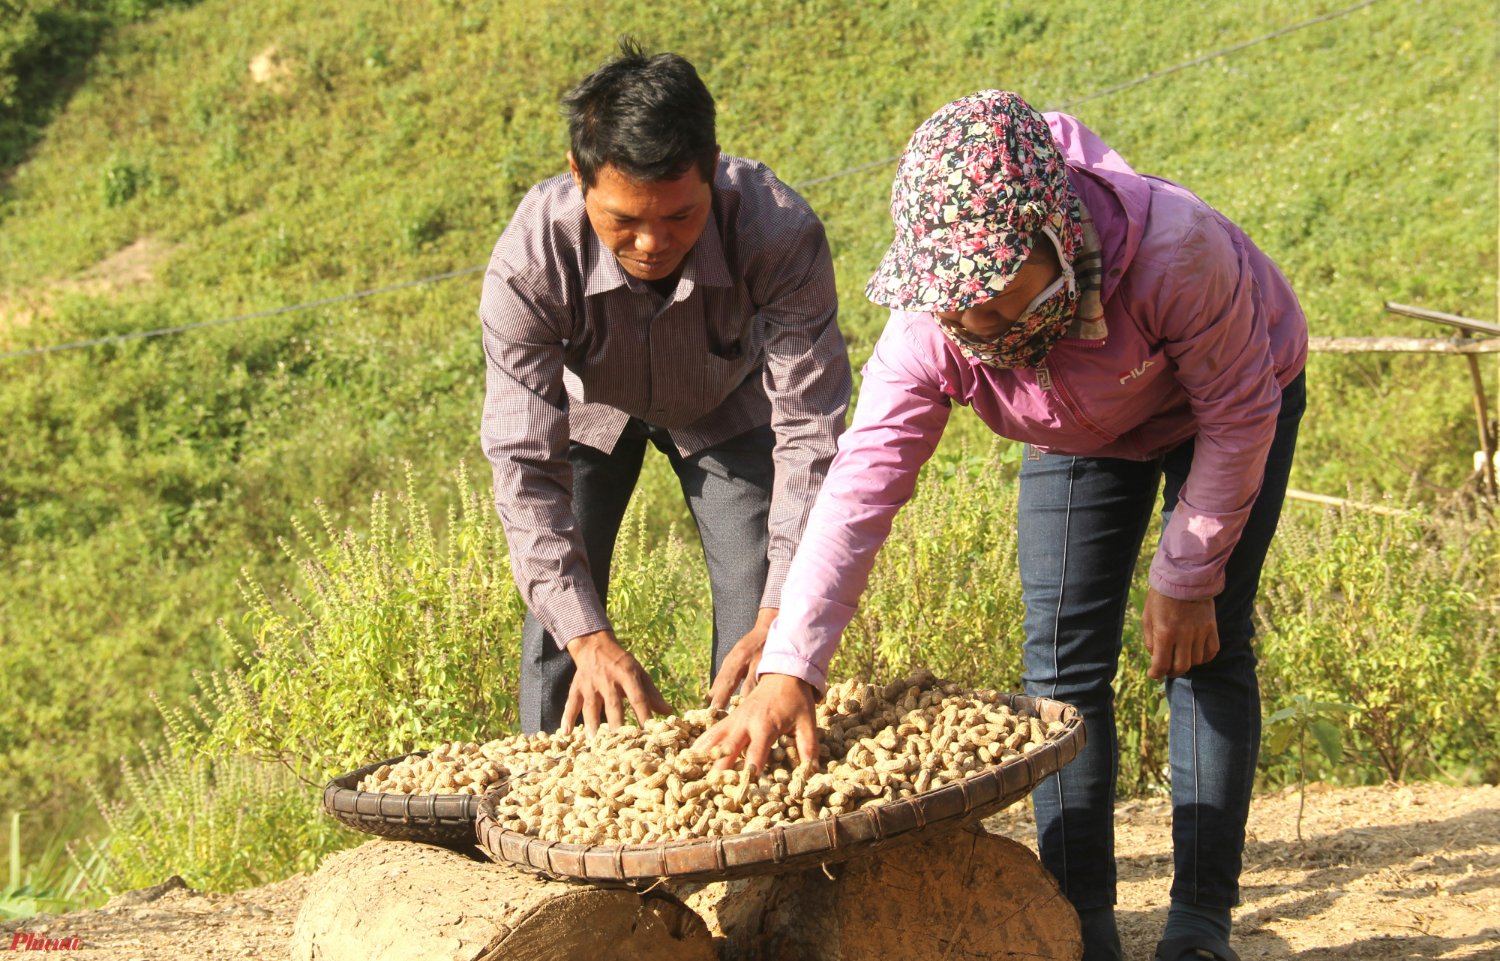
{"points": [[897, 423]]}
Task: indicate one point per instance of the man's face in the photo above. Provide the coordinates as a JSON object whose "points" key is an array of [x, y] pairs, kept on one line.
{"points": [[649, 227]]}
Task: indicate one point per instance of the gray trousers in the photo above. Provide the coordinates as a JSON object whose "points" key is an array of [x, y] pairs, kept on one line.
{"points": [[728, 490]]}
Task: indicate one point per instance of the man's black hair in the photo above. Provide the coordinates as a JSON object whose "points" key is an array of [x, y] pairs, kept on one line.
{"points": [[650, 117]]}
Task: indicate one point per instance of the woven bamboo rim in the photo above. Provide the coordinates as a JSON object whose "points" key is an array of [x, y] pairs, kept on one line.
{"points": [[434, 818], [805, 843]]}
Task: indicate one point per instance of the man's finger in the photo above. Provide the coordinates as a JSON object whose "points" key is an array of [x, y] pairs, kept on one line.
{"points": [[806, 735], [724, 684], [570, 709], [614, 707], [640, 703], [591, 714]]}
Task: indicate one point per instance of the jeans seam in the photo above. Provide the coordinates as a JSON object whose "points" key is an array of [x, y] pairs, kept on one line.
{"points": [[1062, 581], [1197, 791]]}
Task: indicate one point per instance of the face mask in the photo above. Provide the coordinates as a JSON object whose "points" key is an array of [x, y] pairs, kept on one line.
{"points": [[1034, 333]]}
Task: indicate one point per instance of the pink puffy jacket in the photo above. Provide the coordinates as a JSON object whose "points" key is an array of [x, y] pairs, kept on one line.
{"points": [[1201, 332]]}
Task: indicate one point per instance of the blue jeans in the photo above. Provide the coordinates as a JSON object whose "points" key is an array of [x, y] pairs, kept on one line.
{"points": [[1082, 520]]}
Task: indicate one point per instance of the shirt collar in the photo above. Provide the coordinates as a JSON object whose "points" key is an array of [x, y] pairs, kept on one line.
{"points": [[703, 267]]}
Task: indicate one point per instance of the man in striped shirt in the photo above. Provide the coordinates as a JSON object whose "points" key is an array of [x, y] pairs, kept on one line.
{"points": [[661, 293]]}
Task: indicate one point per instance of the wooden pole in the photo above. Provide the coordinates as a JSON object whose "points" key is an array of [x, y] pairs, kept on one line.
{"points": [[1438, 317], [1310, 498], [1467, 327], [1401, 345], [1481, 414]]}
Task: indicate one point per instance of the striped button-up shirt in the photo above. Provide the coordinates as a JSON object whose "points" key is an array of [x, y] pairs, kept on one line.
{"points": [[574, 347]]}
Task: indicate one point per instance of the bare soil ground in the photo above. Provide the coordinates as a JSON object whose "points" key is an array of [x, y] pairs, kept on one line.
{"points": [[126, 269], [1380, 874]]}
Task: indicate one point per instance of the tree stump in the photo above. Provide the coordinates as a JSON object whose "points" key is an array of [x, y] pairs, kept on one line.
{"points": [[964, 896], [393, 901]]}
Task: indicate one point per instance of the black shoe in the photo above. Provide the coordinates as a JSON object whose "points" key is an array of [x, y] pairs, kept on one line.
{"points": [[1191, 949]]}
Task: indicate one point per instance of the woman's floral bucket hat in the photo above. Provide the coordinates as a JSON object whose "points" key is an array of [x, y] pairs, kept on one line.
{"points": [[977, 183]]}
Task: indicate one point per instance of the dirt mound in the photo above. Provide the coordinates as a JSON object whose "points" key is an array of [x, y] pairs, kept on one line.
{"points": [[128, 268]]}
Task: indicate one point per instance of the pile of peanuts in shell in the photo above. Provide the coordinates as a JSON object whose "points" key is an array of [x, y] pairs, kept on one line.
{"points": [[641, 785]]}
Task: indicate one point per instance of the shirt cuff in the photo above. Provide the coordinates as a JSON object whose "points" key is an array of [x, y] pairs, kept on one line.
{"points": [[570, 609], [775, 580], [1184, 586], [798, 667]]}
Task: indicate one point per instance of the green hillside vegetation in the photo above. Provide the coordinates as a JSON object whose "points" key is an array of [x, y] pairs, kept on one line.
{"points": [[197, 161]]}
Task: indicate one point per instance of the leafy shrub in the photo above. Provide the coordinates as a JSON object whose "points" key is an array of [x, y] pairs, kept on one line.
{"points": [[123, 179], [1384, 613], [395, 639], [403, 637], [661, 609], [221, 823], [945, 591]]}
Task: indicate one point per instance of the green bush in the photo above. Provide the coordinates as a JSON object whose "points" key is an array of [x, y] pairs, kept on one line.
{"points": [[945, 592], [393, 639], [405, 636], [1394, 616], [220, 823]]}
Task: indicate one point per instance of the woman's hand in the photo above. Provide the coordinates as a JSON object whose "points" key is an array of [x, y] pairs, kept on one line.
{"points": [[1179, 635], [741, 662], [780, 704]]}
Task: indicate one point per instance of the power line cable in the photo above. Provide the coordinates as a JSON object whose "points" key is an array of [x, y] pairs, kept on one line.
{"points": [[860, 168], [1196, 61]]}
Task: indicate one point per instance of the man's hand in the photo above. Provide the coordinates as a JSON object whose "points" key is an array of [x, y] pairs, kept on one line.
{"points": [[607, 676], [741, 662], [779, 704], [1179, 635]]}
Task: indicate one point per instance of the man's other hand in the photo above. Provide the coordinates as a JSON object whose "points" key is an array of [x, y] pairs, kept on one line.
{"points": [[742, 662]]}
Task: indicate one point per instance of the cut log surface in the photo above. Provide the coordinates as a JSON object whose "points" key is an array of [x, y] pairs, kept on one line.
{"points": [[389, 900], [964, 896]]}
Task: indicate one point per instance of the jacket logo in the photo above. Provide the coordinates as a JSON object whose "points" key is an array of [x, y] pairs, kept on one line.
{"points": [[1135, 372]]}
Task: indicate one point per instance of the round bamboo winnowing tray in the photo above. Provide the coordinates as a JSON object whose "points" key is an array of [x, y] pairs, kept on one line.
{"points": [[801, 844], [434, 818]]}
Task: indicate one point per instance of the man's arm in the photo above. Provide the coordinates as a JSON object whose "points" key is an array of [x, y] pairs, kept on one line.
{"points": [[525, 436], [808, 382], [524, 430]]}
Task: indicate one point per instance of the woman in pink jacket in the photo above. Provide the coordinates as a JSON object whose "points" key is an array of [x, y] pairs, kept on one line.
{"points": [[1127, 333]]}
